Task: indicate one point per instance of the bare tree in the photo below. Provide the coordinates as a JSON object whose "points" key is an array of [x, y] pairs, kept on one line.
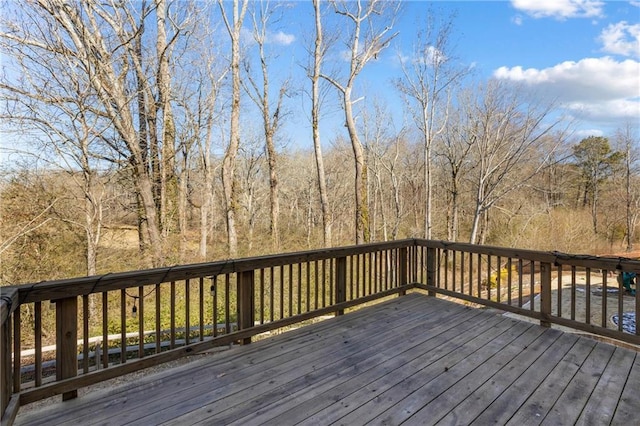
{"points": [[261, 96], [429, 77], [370, 26], [314, 74], [454, 150], [629, 143], [234, 27], [102, 45], [504, 131]]}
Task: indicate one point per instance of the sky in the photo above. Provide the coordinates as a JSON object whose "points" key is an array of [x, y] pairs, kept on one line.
{"points": [[584, 54]]}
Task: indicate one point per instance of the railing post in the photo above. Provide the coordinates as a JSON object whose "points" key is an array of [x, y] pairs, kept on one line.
{"points": [[246, 302], [431, 269], [403, 271], [66, 342], [341, 282], [545, 294]]}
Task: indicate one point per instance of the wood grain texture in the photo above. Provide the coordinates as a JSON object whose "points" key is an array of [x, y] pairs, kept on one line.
{"points": [[413, 359]]}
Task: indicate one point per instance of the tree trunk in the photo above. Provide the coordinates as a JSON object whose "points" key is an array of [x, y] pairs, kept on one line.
{"points": [[229, 162], [361, 202], [315, 119]]}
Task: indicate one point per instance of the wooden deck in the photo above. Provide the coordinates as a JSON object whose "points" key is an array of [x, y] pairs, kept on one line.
{"points": [[411, 360]]}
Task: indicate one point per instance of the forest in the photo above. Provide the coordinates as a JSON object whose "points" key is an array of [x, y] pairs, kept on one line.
{"points": [[153, 133]]}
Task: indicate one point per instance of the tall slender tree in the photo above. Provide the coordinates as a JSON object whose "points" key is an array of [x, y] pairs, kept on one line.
{"points": [[429, 77], [370, 24], [233, 25]]}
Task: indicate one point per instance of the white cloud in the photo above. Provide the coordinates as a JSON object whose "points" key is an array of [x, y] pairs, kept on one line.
{"points": [[560, 9], [281, 38], [594, 88], [621, 39]]}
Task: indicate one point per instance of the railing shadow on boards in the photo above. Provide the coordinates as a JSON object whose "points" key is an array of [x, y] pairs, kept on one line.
{"points": [[167, 313], [144, 318], [585, 293]]}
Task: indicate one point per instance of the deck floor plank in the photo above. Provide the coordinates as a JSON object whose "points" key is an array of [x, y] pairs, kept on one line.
{"points": [[411, 360], [236, 371], [470, 402], [536, 407], [370, 360], [507, 403], [368, 402], [393, 368], [569, 406], [628, 411], [601, 406], [482, 364], [305, 370]]}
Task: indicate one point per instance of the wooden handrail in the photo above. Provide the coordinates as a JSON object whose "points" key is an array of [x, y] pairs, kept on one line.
{"points": [[59, 289]]}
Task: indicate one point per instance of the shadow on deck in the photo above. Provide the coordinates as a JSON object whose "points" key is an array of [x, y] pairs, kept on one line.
{"points": [[410, 360]]}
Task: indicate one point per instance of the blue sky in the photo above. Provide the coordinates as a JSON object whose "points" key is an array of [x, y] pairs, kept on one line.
{"points": [[582, 53]]}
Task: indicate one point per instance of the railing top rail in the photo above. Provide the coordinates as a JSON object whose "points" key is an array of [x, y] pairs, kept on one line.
{"points": [[553, 257], [53, 290]]}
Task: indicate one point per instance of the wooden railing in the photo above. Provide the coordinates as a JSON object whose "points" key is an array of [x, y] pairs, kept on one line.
{"points": [[66, 328], [59, 336], [585, 293]]}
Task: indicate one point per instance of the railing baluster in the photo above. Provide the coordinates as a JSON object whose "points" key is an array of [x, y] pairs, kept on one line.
{"points": [[587, 295], [559, 288], [172, 309], [290, 293], [85, 334], [17, 350], [621, 290], [105, 329], [509, 281], [187, 311], [545, 294], [532, 288], [299, 267], [271, 285], [227, 309], [123, 326], [141, 322], [573, 293], [471, 275], [262, 296], [308, 278], [317, 284], [520, 282], [281, 292], [158, 301], [498, 278], [341, 282], [37, 313], [604, 299], [201, 307], [246, 304]]}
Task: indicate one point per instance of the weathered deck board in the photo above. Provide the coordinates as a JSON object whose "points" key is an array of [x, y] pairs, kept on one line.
{"points": [[414, 359]]}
